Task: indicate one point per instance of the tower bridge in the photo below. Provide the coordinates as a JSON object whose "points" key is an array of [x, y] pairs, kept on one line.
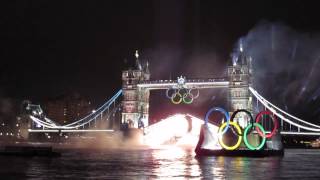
{"points": [[137, 86], [130, 105]]}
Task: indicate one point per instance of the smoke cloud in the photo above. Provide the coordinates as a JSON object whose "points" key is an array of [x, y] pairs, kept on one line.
{"points": [[286, 63]]}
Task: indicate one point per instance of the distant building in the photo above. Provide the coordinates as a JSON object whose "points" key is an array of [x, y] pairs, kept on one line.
{"points": [[67, 108]]}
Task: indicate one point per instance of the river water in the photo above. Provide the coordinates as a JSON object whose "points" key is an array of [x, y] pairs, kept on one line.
{"points": [[162, 163]]}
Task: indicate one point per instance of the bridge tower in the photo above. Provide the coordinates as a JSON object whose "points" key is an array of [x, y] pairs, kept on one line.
{"points": [[240, 78], [135, 103]]}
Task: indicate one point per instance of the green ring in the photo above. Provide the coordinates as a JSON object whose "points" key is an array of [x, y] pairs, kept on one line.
{"points": [[184, 99], [246, 140]]}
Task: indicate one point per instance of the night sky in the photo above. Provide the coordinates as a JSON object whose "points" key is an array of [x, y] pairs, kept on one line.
{"points": [[53, 47]]}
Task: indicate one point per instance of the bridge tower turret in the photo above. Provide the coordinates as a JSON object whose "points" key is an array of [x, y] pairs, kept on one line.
{"points": [[135, 101], [240, 78]]}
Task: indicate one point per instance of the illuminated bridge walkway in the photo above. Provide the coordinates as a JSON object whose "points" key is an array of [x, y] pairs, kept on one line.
{"points": [[289, 124], [96, 121]]}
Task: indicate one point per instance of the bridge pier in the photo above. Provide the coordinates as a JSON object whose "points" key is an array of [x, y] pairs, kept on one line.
{"points": [[239, 96], [275, 143], [135, 103], [240, 78]]}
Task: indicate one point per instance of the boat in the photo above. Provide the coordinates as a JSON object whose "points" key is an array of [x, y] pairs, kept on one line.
{"points": [[201, 149], [240, 153], [315, 143]]}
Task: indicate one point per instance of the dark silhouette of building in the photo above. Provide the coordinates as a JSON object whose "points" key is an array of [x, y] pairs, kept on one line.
{"points": [[67, 108]]}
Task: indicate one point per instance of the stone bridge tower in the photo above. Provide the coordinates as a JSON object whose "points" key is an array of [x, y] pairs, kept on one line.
{"points": [[135, 101], [240, 78]]}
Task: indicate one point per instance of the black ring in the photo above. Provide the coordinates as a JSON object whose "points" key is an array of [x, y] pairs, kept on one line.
{"points": [[234, 115], [183, 91]]}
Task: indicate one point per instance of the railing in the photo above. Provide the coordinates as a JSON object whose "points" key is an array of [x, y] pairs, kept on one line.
{"points": [[187, 81], [92, 118], [295, 124]]}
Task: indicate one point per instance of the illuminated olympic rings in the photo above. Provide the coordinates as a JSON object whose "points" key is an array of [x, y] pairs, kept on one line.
{"points": [[178, 96], [249, 146], [194, 96], [187, 98], [226, 114], [176, 100], [222, 128], [275, 123], [247, 130], [234, 115]]}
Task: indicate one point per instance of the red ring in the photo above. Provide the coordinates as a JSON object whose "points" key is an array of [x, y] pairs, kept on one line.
{"points": [[275, 122]]}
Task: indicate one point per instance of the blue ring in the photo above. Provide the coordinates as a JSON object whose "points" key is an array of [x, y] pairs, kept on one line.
{"points": [[226, 114]]}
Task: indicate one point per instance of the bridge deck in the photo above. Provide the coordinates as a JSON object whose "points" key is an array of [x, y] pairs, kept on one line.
{"points": [[70, 130], [190, 83], [110, 130], [300, 133]]}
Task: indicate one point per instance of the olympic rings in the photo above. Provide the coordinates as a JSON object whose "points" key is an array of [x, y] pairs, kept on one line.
{"points": [[184, 98], [197, 95], [246, 133], [222, 128], [234, 115], [248, 129], [226, 114], [167, 93], [177, 97], [173, 97], [275, 122]]}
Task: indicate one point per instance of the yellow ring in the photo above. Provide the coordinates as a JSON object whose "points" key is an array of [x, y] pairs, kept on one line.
{"points": [[175, 95], [239, 137]]}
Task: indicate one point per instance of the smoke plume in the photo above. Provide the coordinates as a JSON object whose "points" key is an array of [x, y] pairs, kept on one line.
{"points": [[286, 64]]}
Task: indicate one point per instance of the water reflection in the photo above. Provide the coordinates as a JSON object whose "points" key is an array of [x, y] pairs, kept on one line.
{"points": [[165, 163], [239, 167], [175, 161]]}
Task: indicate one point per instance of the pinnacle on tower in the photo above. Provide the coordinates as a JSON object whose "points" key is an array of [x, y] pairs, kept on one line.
{"points": [[242, 56], [138, 64], [147, 67]]}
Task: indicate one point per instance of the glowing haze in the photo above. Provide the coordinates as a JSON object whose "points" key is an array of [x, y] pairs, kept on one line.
{"points": [[178, 129]]}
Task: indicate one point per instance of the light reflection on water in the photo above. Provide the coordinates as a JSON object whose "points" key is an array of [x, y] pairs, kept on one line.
{"points": [[174, 161], [164, 163]]}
